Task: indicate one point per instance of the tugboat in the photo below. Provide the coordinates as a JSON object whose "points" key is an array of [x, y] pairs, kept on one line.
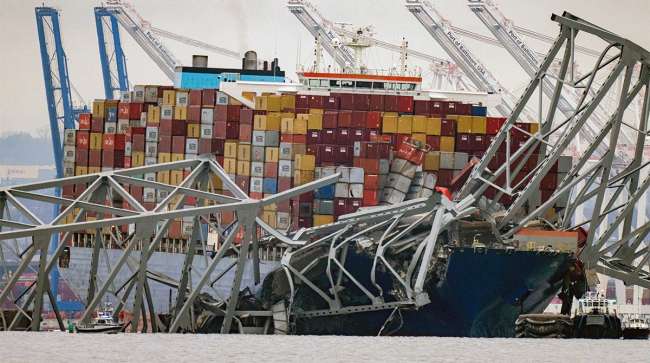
{"points": [[593, 319], [636, 328], [104, 322]]}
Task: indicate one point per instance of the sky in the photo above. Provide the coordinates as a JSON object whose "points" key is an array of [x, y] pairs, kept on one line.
{"points": [[269, 28]]}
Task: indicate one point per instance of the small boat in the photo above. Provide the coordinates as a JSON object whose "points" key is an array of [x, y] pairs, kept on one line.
{"points": [[104, 322], [636, 328], [593, 319]]}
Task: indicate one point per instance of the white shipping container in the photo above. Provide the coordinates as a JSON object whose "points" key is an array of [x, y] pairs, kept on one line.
{"points": [[151, 149], [257, 153], [138, 94], [110, 127], [151, 134], [125, 96], [356, 175], [161, 195], [392, 196], [259, 138], [399, 182], [181, 98], [326, 171], [283, 220], [166, 112], [285, 168], [345, 174], [404, 167], [68, 168], [127, 148], [143, 116], [222, 98], [206, 131], [342, 190], [207, 115], [122, 126], [191, 146], [257, 184], [150, 177], [151, 94], [149, 195], [150, 160], [429, 180], [191, 156], [418, 179], [69, 154], [460, 160], [138, 123], [285, 150], [257, 169], [69, 137], [356, 150], [384, 166], [446, 160], [272, 138], [356, 190]]}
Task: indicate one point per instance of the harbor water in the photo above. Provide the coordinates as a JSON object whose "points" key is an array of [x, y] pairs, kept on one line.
{"points": [[61, 347]]}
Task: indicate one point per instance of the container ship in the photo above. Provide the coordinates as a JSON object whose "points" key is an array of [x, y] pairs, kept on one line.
{"points": [[391, 141]]}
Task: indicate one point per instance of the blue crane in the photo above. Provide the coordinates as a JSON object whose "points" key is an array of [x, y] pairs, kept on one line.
{"points": [[111, 55]]}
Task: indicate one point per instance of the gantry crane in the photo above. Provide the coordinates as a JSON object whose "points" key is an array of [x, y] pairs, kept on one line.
{"points": [[111, 55], [439, 28]]}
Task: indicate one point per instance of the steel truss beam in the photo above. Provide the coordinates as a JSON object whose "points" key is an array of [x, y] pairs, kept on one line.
{"points": [[103, 190], [613, 189]]}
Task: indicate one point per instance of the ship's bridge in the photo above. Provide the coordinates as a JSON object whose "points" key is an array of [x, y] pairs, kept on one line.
{"points": [[372, 80]]}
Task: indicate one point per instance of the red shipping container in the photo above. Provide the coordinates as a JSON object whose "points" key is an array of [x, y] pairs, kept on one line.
{"points": [[232, 130], [135, 131], [85, 120], [325, 153], [313, 137], [346, 101], [81, 157], [421, 107], [373, 134], [331, 102], [245, 132], [330, 119], [447, 127], [113, 141], [256, 195], [97, 125], [316, 101], [549, 182], [411, 153], [444, 177], [370, 197], [246, 116], [68, 191], [342, 137], [345, 118], [135, 110], [195, 97], [270, 170], [463, 109], [361, 101], [328, 136], [437, 107], [313, 150], [359, 119], [284, 183], [340, 206], [286, 137], [370, 166], [464, 142], [493, 124], [208, 97], [405, 104], [373, 120], [355, 204], [299, 139], [194, 113], [233, 112], [343, 155], [82, 139], [302, 101], [376, 103], [220, 113], [243, 182], [371, 181], [358, 135], [178, 145], [434, 142], [94, 158], [391, 103], [113, 158], [123, 111], [479, 142], [219, 130], [399, 139], [165, 144], [127, 163], [451, 108]]}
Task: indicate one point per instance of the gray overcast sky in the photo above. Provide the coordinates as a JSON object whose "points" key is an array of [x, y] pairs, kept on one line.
{"points": [[268, 27]]}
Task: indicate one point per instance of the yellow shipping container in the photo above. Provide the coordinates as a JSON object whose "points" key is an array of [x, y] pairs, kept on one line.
{"points": [[194, 130], [321, 219], [180, 113], [153, 114], [464, 125], [217, 184], [419, 124], [447, 143], [162, 177], [244, 152], [178, 156], [175, 177], [301, 177], [81, 170], [272, 154], [315, 121], [169, 97], [249, 96], [316, 111], [270, 218], [433, 126], [300, 126], [452, 117], [243, 168], [479, 125], [99, 107], [387, 113], [288, 102], [164, 157], [302, 116], [230, 149], [95, 141], [230, 165], [534, 128], [305, 162], [419, 137], [405, 124], [270, 207], [259, 122], [274, 103], [273, 121], [261, 102], [432, 161], [137, 158], [286, 125], [389, 125], [94, 169]]}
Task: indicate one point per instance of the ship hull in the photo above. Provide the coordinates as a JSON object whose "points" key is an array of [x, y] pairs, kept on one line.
{"points": [[481, 295]]}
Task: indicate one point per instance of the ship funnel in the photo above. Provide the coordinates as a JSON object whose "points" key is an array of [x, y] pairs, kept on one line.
{"points": [[249, 62], [200, 61]]}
